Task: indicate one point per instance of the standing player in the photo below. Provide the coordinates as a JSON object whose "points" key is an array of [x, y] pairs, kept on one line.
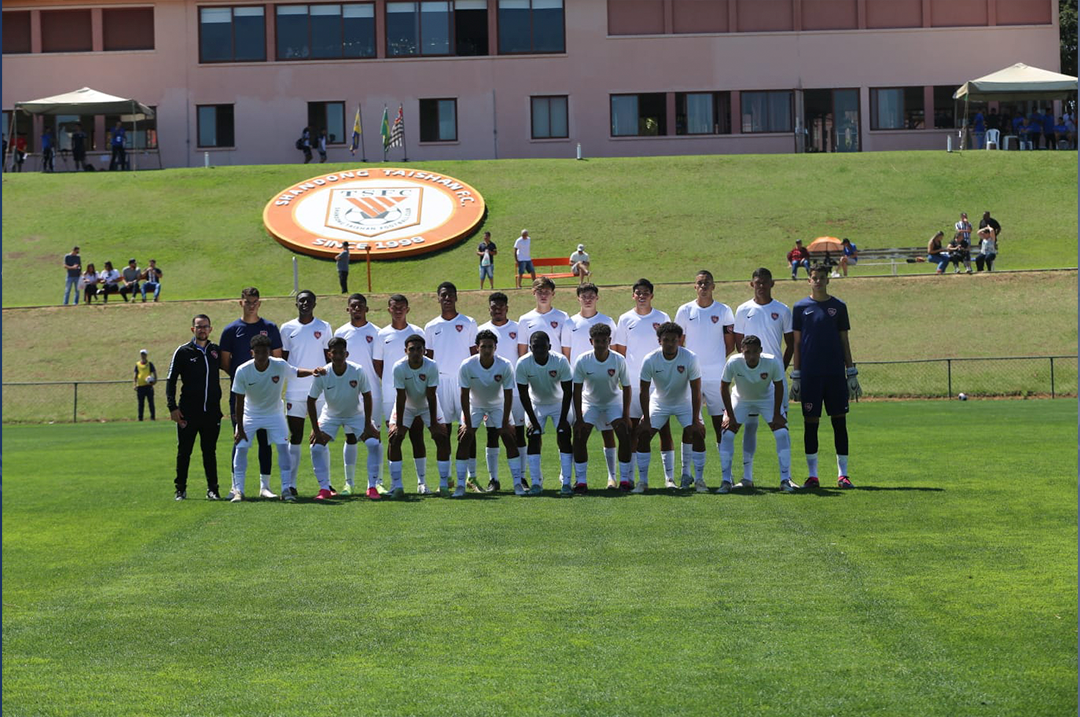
{"points": [[304, 342], [416, 381], [348, 402], [822, 373], [487, 396], [602, 399], [708, 325], [507, 331], [257, 396], [545, 384], [759, 391], [575, 342], [389, 349], [543, 318], [674, 374], [360, 336], [770, 321]]}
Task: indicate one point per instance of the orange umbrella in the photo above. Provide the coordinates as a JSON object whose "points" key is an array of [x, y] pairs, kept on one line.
{"points": [[830, 244]]}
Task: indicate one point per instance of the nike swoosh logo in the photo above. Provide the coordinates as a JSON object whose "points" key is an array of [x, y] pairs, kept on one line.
{"points": [[750, 315], [693, 318], [808, 312], [588, 373]]}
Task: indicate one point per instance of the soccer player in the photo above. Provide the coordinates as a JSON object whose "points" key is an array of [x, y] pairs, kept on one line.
{"points": [[390, 347], [507, 331], [545, 384], [487, 397], [348, 402], [304, 342], [361, 336], [198, 412], [257, 395], [708, 326], [236, 350], [575, 342], [602, 399], [769, 320], [416, 381], [822, 372], [635, 338], [543, 318], [759, 391]]}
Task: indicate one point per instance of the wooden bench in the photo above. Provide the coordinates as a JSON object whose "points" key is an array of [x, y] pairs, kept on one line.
{"points": [[891, 257], [548, 267]]}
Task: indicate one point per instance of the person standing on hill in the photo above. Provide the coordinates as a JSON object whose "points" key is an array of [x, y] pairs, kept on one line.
{"points": [[523, 257], [342, 260], [145, 378], [73, 268], [118, 160], [989, 221], [487, 251]]}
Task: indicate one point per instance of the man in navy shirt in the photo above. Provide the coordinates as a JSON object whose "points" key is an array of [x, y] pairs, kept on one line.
{"points": [[823, 373], [235, 345], [118, 160]]}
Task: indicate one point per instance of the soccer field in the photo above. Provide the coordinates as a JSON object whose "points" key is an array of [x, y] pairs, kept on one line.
{"points": [[944, 585]]}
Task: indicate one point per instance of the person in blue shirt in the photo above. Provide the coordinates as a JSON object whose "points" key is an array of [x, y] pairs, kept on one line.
{"points": [[1048, 130], [850, 256], [823, 374], [118, 160], [47, 150], [1061, 131], [980, 130]]}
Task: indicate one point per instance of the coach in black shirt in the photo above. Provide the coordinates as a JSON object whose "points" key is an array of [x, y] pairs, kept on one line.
{"points": [[198, 413]]}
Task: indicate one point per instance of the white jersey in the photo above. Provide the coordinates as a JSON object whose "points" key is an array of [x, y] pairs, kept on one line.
{"points": [[415, 381], [262, 389], [638, 334], [671, 379], [486, 385], [306, 346], [508, 339], [341, 393], [768, 322], [452, 341], [551, 323], [361, 348], [544, 382], [576, 333], [704, 329], [753, 384], [390, 348], [602, 381]]}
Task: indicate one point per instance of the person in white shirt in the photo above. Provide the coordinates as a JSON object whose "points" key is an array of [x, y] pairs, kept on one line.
{"points": [[708, 326], [486, 398], [360, 336], [545, 384], [523, 258], [770, 321], [304, 341], [389, 349], [579, 264], [758, 392], [257, 388], [110, 281], [507, 331], [543, 318], [601, 399], [673, 374], [635, 338], [416, 381], [347, 403]]}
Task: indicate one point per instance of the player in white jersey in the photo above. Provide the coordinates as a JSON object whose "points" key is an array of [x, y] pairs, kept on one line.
{"points": [[487, 396], [707, 331], [389, 349], [507, 331], [575, 341], [257, 387], [635, 338], [671, 383], [601, 399], [303, 343], [360, 336], [416, 381], [348, 403], [544, 318], [759, 388], [770, 321], [545, 384]]}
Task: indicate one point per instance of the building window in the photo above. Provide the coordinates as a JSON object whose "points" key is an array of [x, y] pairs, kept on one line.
{"points": [[16, 32], [215, 125], [531, 26], [897, 108], [128, 28], [438, 120], [549, 120], [702, 113], [944, 107], [325, 31], [470, 27], [437, 28], [329, 116], [66, 31], [232, 34], [639, 115], [140, 135], [766, 111]]}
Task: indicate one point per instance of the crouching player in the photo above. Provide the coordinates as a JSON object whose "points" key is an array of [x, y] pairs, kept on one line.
{"points": [[545, 385], [416, 379], [676, 376], [257, 386], [759, 391], [601, 399], [343, 385]]}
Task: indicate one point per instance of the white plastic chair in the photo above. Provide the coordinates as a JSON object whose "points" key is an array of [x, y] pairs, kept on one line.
{"points": [[993, 136]]}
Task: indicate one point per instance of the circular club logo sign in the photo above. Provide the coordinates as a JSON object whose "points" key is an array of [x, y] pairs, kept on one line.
{"points": [[393, 212]]}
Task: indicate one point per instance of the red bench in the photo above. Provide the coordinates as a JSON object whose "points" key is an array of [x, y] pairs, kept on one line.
{"points": [[549, 267]]}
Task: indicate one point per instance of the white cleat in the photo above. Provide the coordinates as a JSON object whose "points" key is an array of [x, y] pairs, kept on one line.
{"points": [[787, 486], [266, 493], [640, 488], [744, 485], [520, 490], [670, 483], [612, 484], [700, 487], [236, 497], [422, 489]]}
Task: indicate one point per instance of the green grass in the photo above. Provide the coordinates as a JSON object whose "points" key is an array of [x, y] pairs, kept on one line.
{"points": [[669, 214], [945, 585]]}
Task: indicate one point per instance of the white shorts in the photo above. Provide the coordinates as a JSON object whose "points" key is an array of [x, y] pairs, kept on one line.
{"points": [[277, 430], [412, 413], [517, 411], [712, 403], [387, 408], [659, 415], [552, 411], [449, 395], [355, 425], [296, 407], [601, 416], [745, 409], [491, 417]]}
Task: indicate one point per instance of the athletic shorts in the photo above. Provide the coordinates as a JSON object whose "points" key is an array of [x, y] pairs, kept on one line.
{"points": [[517, 411], [387, 409], [411, 415], [487, 272], [659, 415], [491, 417], [277, 430], [354, 425], [448, 393], [526, 267], [552, 412], [601, 416], [712, 402], [830, 391], [296, 407], [852, 260], [635, 399], [745, 409]]}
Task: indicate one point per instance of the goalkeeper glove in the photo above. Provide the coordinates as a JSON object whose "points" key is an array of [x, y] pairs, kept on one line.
{"points": [[853, 387], [796, 386]]}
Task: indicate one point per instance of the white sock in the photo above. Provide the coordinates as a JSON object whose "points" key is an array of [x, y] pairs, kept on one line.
{"points": [[841, 465], [348, 455], [749, 447], [581, 472], [667, 459], [421, 470], [698, 459], [633, 463], [320, 462], [517, 475], [444, 473], [566, 460], [811, 464], [783, 452], [240, 460], [284, 464], [491, 455], [374, 460], [611, 458], [462, 470], [643, 460], [471, 464], [264, 481], [686, 459], [520, 463], [534, 468], [395, 475], [626, 472], [294, 462], [727, 455]]}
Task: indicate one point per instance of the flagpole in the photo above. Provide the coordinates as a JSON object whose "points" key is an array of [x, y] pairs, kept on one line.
{"points": [[385, 133], [363, 150], [404, 147]]}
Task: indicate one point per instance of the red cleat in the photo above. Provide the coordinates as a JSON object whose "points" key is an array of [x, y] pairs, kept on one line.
{"points": [[373, 493], [626, 486], [843, 482], [811, 482], [323, 494], [581, 487]]}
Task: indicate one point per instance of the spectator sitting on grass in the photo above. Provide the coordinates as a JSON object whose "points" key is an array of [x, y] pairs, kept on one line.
{"points": [[936, 253], [959, 251], [88, 282]]}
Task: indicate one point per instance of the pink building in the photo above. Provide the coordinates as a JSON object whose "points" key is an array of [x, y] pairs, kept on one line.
{"points": [[521, 78]]}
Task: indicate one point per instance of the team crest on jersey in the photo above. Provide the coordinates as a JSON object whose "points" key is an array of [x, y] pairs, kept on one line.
{"points": [[611, 372], [423, 377], [554, 324], [369, 338], [553, 374], [318, 334], [214, 354], [275, 379], [459, 328], [513, 334], [832, 311], [655, 325], [764, 374], [498, 377], [680, 369], [775, 316], [352, 383], [714, 319]]}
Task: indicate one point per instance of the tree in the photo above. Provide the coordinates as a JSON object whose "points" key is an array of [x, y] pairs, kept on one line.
{"points": [[1067, 27]]}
